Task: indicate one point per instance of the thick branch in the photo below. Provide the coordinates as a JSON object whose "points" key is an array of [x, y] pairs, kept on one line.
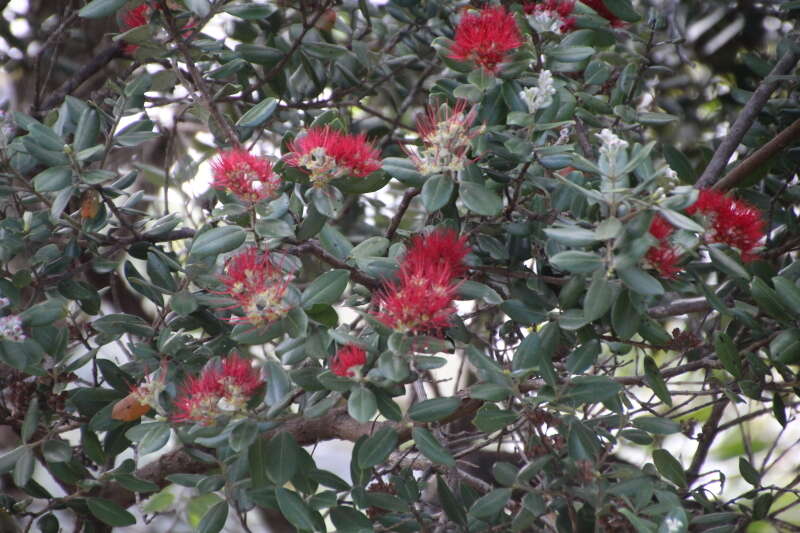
{"points": [[746, 118], [760, 157], [707, 436], [398, 217]]}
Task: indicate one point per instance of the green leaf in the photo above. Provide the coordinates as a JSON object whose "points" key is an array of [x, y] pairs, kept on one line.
{"points": [[431, 448], [23, 469], [218, 240], [259, 113], [100, 8], [56, 451], [657, 425], [436, 192], [788, 293], [109, 512], [583, 357], [214, 520], [570, 54], [490, 418], [640, 281], [489, 505], [750, 474], [403, 170], [479, 199], [728, 354], [151, 436], [622, 9], [119, 323], [675, 521], [577, 261], [377, 448], [326, 289], [669, 467], [328, 200], [433, 409], [680, 164], [599, 297], [44, 313], [183, 303], [767, 300], [31, 421], [452, 507], [591, 389], [727, 264], [656, 381], [200, 8], [53, 179], [281, 458], [294, 509], [362, 404]]}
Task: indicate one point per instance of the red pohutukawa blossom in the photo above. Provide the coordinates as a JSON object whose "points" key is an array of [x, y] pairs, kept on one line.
{"points": [[600, 8], [441, 249], [732, 222], [346, 358], [138, 16], [551, 15], [328, 154], [247, 176], [421, 300], [258, 285], [446, 134], [664, 256], [219, 389], [486, 38]]}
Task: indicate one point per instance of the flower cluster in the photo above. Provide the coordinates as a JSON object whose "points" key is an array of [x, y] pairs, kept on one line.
{"points": [[258, 285], [732, 222], [347, 360], [142, 398], [446, 134], [11, 328], [138, 16], [486, 38], [610, 148], [421, 301], [219, 389], [247, 176], [551, 15], [664, 256], [600, 8], [541, 96], [329, 154]]}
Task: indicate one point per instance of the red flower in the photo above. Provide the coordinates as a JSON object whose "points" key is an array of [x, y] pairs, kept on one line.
{"points": [[663, 257], [239, 379], [600, 8], [199, 398], [440, 248], [245, 175], [547, 14], [219, 389], [486, 38], [258, 285], [328, 154], [446, 135], [138, 16], [733, 222], [421, 301], [346, 358]]}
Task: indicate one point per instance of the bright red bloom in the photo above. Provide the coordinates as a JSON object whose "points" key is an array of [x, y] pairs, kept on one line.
{"points": [[219, 389], [247, 176], [486, 38], [421, 301], [600, 8], [138, 16], [328, 154], [258, 285], [554, 10], [663, 257], [733, 222], [346, 358], [441, 249]]}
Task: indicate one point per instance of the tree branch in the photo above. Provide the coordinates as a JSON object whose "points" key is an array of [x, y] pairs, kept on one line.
{"points": [[760, 157], [315, 249], [707, 436], [746, 118], [409, 195]]}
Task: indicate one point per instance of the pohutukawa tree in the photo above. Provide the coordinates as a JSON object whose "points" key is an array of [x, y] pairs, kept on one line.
{"points": [[534, 262]]}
